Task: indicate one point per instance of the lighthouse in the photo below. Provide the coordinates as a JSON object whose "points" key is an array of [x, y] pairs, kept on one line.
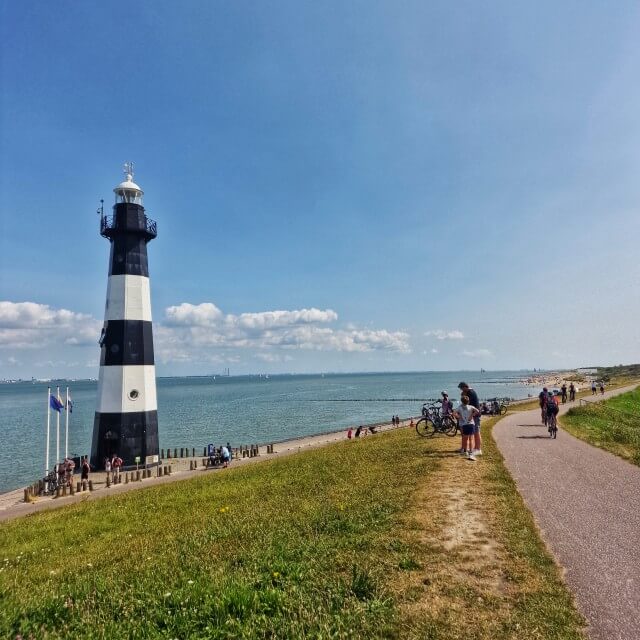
{"points": [[126, 418]]}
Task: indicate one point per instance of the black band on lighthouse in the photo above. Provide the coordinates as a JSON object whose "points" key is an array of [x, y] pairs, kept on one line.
{"points": [[128, 256], [127, 434], [127, 342]]}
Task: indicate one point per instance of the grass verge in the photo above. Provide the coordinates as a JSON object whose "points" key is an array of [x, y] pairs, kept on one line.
{"points": [[393, 536], [613, 425]]}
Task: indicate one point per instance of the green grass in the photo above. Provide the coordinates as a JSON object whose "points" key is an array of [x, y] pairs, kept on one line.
{"points": [[613, 425], [317, 545]]}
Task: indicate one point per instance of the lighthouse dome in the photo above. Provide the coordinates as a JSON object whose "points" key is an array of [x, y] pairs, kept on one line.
{"points": [[128, 190]]}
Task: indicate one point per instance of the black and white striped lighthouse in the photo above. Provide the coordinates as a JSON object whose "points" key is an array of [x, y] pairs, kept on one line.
{"points": [[126, 419]]}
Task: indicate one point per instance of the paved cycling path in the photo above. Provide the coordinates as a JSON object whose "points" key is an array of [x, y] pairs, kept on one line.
{"points": [[587, 504]]}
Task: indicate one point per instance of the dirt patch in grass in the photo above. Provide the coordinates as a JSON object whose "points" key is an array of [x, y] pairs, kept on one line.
{"points": [[481, 570]]}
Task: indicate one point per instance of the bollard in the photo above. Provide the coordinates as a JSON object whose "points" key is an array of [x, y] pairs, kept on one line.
{"points": [[204, 453], [90, 485], [72, 491], [126, 478], [190, 465], [170, 469], [84, 485], [26, 495], [193, 452], [161, 454], [159, 471], [204, 462], [195, 465], [58, 491], [166, 470], [181, 452], [108, 481], [64, 490], [79, 486], [245, 453]]}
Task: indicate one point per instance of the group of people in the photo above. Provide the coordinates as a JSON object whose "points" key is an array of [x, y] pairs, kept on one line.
{"points": [[113, 466], [563, 392], [360, 431], [594, 387], [549, 404], [395, 421], [65, 470], [468, 416], [220, 456]]}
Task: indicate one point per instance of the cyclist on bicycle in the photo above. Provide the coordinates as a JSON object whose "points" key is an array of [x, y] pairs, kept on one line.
{"points": [[542, 398], [551, 408]]}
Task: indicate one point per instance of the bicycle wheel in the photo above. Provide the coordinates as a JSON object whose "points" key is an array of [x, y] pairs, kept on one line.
{"points": [[503, 409], [450, 425], [424, 427]]}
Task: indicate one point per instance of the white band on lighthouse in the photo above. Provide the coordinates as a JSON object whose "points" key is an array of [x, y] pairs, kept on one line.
{"points": [[127, 389], [128, 298]]}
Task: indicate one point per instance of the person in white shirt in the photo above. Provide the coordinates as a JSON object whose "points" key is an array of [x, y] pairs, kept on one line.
{"points": [[465, 414]]}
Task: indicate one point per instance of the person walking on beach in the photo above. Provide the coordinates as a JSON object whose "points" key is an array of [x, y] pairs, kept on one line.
{"points": [[226, 456], [350, 433], [474, 401], [116, 464], [564, 392], [84, 472], [358, 430], [466, 415]]}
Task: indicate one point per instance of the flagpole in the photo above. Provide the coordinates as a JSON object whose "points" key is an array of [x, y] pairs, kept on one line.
{"points": [[58, 428], [46, 468], [66, 426]]}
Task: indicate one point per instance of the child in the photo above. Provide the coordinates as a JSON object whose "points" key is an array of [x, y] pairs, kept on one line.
{"points": [[465, 414]]}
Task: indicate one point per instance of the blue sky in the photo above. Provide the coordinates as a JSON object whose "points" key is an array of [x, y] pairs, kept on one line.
{"points": [[355, 186]]}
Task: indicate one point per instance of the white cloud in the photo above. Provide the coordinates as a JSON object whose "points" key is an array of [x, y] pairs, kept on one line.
{"points": [[442, 334], [478, 353], [28, 325], [200, 315], [190, 329]]}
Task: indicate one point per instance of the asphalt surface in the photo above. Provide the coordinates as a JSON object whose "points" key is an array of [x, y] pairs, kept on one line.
{"points": [[587, 504]]}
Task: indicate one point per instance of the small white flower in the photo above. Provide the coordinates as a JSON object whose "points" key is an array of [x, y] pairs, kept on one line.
{"points": [[52, 572], [89, 565], [190, 582], [166, 595]]}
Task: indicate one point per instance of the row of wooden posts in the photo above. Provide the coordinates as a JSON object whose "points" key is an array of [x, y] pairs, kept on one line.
{"points": [[138, 475], [243, 451], [38, 488]]}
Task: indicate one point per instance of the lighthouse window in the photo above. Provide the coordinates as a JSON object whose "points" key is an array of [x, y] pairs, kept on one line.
{"points": [[133, 394]]}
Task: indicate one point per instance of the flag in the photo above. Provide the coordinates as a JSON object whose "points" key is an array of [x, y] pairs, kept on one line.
{"points": [[69, 406], [55, 404]]}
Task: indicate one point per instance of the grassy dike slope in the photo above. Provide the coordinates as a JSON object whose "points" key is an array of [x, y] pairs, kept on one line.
{"points": [[613, 425], [392, 536]]}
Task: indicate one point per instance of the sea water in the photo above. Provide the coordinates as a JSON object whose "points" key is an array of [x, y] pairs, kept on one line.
{"points": [[193, 412]]}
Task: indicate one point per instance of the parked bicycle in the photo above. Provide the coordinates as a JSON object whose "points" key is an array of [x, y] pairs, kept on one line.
{"points": [[494, 406], [433, 422]]}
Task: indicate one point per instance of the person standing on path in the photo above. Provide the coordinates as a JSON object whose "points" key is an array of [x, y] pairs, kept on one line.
{"points": [[564, 392], [572, 392], [593, 388], [474, 401], [602, 388]]}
